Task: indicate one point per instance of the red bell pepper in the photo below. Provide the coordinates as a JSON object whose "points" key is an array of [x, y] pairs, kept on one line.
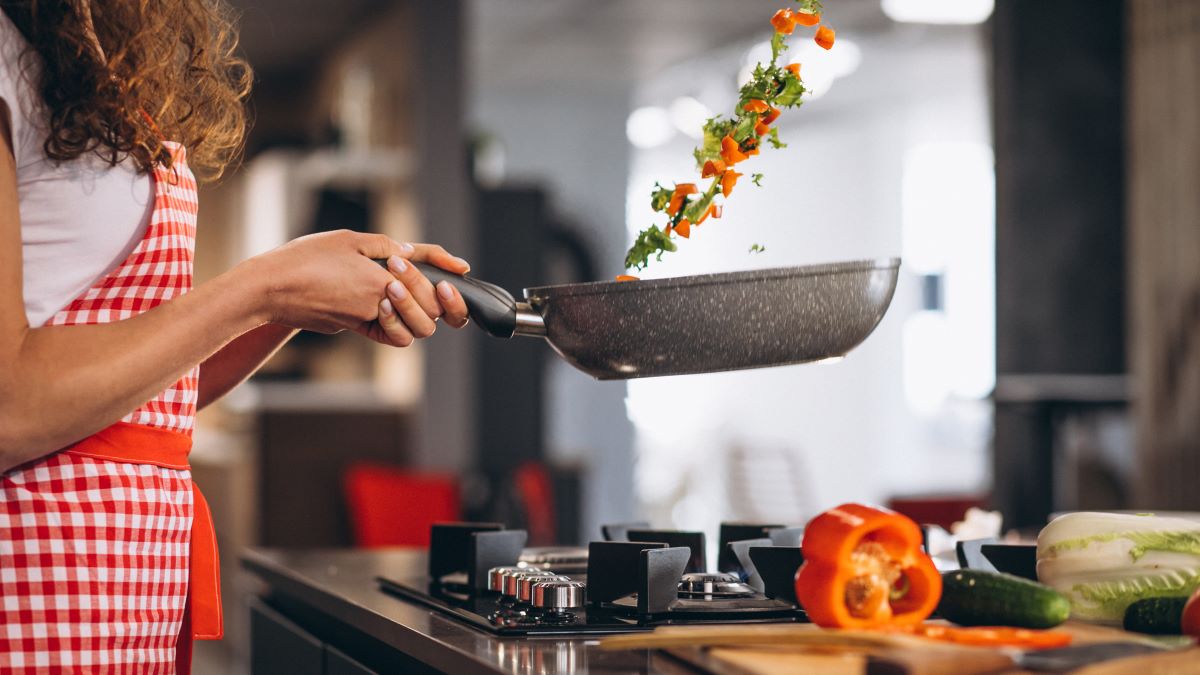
{"points": [[864, 567]]}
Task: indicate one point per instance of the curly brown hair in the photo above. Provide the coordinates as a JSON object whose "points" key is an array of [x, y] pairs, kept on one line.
{"points": [[118, 77]]}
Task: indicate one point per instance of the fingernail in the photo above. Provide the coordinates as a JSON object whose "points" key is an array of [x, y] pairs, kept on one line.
{"points": [[464, 263], [407, 248], [397, 264], [385, 307], [445, 290], [397, 290]]}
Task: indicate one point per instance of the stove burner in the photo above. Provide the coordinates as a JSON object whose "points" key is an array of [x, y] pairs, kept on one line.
{"points": [[611, 587], [712, 586]]}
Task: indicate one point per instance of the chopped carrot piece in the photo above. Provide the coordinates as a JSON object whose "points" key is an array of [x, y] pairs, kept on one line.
{"points": [[794, 68], [731, 152], [627, 277], [824, 37], [712, 167], [756, 105], [686, 189], [675, 204], [684, 228], [783, 22], [770, 116], [805, 19], [761, 128], [728, 181], [713, 211]]}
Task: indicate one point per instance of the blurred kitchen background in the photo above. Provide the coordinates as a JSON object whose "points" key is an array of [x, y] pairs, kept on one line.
{"points": [[1036, 165]]}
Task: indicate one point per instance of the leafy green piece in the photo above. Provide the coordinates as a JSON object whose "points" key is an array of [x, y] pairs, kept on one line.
{"points": [[660, 197], [756, 179], [651, 241], [773, 139], [758, 248]]}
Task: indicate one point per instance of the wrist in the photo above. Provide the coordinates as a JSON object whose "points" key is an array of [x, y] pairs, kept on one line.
{"points": [[249, 283]]}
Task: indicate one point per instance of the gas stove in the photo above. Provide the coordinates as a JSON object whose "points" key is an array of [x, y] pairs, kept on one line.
{"points": [[636, 578]]}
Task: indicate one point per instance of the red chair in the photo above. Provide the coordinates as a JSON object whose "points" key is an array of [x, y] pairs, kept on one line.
{"points": [[536, 495], [395, 507]]}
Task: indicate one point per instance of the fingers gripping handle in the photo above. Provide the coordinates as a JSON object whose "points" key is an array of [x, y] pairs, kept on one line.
{"points": [[492, 307]]}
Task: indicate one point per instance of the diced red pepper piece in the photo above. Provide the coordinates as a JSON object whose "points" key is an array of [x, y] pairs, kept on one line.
{"points": [[806, 19], [756, 105], [713, 167], [783, 22], [731, 152], [728, 180], [824, 37], [684, 228]]}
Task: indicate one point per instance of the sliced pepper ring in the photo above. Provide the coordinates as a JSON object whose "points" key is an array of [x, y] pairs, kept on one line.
{"points": [[830, 543]]}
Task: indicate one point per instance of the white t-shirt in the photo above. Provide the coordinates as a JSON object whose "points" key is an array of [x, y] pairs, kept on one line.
{"points": [[79, 219]]}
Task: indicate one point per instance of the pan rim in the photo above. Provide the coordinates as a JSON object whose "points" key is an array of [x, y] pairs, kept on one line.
{"points": [[691, 281]]}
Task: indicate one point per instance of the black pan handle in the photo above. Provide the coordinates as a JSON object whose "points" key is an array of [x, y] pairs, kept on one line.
{"points": [[492, 307]]}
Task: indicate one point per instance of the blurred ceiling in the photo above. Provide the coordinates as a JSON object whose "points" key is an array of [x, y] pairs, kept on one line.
{"points": [[591, 41], [619, 40]]}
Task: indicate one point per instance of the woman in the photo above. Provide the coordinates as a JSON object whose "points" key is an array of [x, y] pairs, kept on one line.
{"points": [[106, 554]]}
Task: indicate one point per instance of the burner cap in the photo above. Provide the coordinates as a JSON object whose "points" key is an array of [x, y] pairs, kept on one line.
{"points": [[716, 585]]}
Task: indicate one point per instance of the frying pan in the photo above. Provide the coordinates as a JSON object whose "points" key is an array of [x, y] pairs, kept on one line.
{"points": [[696, 324]]}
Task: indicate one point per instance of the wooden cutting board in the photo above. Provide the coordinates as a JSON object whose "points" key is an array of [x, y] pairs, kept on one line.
{"points": [[778, 648]]}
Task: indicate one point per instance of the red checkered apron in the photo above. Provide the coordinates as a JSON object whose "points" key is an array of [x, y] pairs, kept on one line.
{"points": [[107, 556]]}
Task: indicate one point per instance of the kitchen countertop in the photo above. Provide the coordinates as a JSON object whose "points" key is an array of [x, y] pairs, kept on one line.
{"points": [[341, 584]]}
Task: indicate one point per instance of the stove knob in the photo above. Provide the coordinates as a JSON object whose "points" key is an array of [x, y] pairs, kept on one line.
{"points": [[496, 576], [559, 596], [509, 580], [526, 582]]}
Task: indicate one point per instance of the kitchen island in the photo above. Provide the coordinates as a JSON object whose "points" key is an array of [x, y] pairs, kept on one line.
{"points": [[322, 613]]}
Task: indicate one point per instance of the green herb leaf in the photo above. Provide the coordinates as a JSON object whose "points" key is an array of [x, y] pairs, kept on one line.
{"points": [[758, 248], [757, 178]]}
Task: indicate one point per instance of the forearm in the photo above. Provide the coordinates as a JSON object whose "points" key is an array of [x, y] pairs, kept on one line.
{"points": [[59, 384], [239, 360]]}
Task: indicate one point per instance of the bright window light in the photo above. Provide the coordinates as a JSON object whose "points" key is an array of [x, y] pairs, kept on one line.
{"points": [[819, 68], [688, 115], [948, 228], [649, 127], [938, 11]]}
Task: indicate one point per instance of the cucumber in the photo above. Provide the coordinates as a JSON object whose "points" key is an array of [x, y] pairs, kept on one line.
{"points": [[1156, 616], [978, 598]]}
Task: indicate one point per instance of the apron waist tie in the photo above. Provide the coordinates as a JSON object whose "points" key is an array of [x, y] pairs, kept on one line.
{"points": [[137, 444]]}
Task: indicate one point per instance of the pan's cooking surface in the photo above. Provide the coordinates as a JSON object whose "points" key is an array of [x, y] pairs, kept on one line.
{"points": [[716, 322]]}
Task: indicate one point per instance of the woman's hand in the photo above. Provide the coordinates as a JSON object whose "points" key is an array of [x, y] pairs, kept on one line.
{"points": [[413, 304], [329, 282]]}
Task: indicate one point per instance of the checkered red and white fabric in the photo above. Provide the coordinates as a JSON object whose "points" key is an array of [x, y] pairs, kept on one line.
{"points": [[94, 560], [158, 269], [95, 554]]}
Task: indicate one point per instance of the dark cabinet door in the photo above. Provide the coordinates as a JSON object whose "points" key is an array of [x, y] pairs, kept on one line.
{"points": [[280, 647], [337, 663]]}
